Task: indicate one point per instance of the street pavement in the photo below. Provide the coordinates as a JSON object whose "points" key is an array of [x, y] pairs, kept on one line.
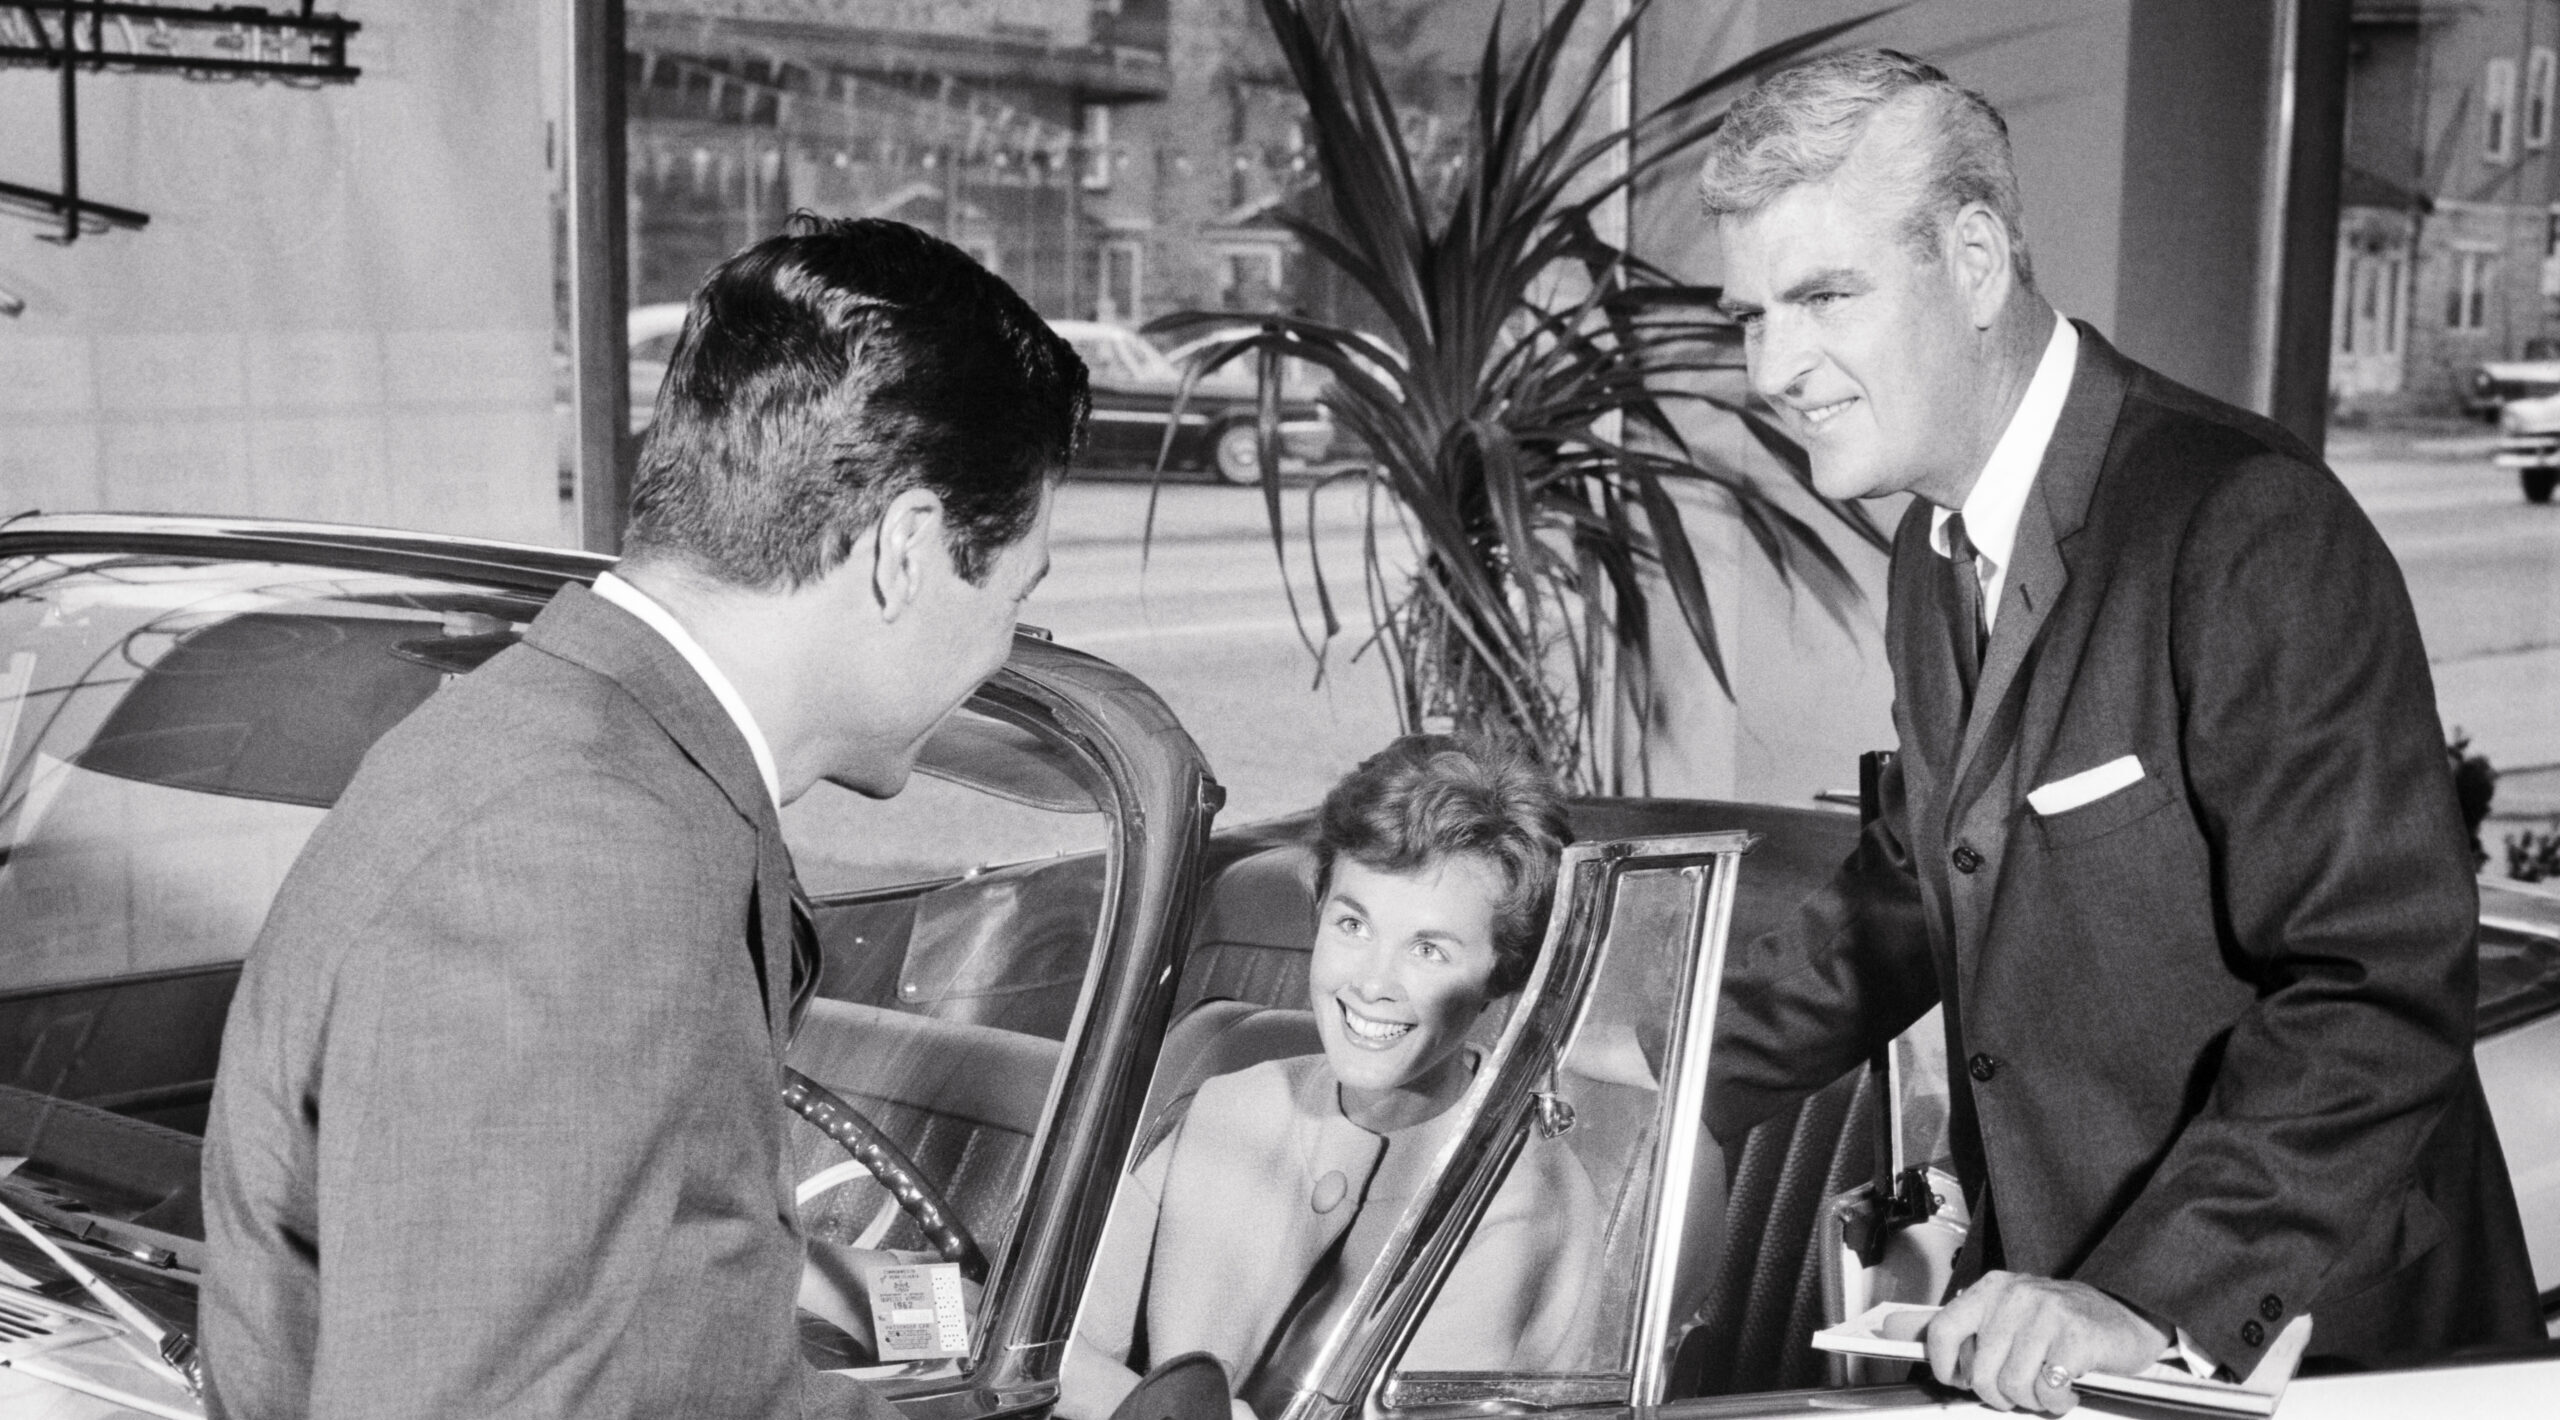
{"points": [[1200, 613], [2483, 568]]}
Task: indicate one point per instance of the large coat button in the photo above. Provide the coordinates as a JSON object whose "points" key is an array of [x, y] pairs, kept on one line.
{"points": [[2271, 1306], [1967, 860], [1982, 1067], [2252, 1333]]}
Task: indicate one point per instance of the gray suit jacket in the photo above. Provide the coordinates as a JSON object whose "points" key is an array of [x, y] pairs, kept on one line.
{"points": [[2210, 1035], [497, 1129]]}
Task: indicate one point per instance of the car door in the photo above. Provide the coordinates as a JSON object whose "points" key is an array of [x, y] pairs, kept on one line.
{"points": [[1587, 1095], [180, 703], [995, 941]]}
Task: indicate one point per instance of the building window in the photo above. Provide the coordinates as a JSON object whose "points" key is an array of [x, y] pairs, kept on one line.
{"points": [[2498, 111], [1097, 148], [2540, 73], [1249, 279], [1119, 268], [2466, 304], [2370, 324]]}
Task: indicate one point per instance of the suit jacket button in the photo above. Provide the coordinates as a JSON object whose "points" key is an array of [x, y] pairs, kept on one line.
{"points": [[1967, 860], [2252, 1333], [1982, 1067], [2271, 1306]]}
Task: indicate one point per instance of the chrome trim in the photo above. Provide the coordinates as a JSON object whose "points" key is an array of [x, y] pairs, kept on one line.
{"points": [[1710, 918], [1435, 1229], [1478, 1390]]}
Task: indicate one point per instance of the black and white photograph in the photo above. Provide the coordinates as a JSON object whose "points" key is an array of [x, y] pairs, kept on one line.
{"points": [[1279, 709]]}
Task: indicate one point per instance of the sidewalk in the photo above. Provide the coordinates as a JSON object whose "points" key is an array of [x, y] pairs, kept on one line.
{"points": [[2455, 440]]}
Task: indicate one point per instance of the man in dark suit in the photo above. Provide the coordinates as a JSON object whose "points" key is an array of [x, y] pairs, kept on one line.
{"points": [[2170, 833], [498, 1127]]}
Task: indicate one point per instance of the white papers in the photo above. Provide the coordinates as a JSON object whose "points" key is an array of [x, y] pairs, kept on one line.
{"points": [[1892, 1332]]}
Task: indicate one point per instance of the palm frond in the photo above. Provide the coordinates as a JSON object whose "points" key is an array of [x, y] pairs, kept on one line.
{"points": [[1518, 400]]}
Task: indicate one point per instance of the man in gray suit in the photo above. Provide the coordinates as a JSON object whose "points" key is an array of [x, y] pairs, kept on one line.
{"points": [[2170, 835], [498, 1127]]}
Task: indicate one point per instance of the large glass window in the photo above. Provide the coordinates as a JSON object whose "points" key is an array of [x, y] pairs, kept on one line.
{"points": [[323, 290]]}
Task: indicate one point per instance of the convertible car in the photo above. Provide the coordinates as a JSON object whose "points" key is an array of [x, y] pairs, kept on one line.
{"points": [[1028, 955]]}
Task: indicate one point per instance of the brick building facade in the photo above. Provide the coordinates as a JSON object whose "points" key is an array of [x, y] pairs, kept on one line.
{"points": [[1114, 159], [2450, 204]]}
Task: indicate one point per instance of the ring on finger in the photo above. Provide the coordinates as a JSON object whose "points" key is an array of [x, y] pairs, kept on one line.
{"points": [[2057, 1377]]}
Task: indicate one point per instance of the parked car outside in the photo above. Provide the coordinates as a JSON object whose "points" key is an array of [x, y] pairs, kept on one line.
{"points": [[2529, 443], [1134, 390], [1027, 955], [2496, 383]]}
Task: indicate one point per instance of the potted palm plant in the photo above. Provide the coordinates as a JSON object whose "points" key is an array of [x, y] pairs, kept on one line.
{"points": [[1515, 401]]}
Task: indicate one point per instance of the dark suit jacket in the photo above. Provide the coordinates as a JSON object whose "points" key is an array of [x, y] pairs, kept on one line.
{"points": [[2210, 1035], [497, 1129]]}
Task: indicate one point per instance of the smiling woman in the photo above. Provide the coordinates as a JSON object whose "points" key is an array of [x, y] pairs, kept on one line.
{"points": [[1436, 861]]}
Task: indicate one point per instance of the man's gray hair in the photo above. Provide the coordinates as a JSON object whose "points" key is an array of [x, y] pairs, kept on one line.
{"points": [[1801, 125]]}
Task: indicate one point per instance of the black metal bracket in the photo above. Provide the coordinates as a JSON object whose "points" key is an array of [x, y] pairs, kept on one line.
{"points": [[226, 42]]}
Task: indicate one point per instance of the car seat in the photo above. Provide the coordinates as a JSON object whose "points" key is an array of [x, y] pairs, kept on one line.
{"points": [[1755, 1329], [1255, 928]]}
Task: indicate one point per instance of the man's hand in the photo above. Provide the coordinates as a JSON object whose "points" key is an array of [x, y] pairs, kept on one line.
{"points": [[2009, 1338]]}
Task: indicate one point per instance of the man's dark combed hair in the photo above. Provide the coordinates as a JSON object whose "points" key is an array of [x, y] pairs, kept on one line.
{"points": [[1427, 798], [825, 371]]}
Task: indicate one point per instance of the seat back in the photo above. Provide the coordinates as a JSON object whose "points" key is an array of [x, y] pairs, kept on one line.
{"points": [[1256, 925], [1211, 1039], [1755, 1330], [963, 1100]]}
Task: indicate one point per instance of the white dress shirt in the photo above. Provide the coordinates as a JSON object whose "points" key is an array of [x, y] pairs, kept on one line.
{"points": [[660, 620], [1999, 496]]}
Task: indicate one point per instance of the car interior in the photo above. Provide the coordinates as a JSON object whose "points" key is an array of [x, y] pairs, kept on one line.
{"points": [[1751, 1301]]}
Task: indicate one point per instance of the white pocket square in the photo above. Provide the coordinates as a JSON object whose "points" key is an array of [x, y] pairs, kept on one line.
{"points": [[2086, 787]]}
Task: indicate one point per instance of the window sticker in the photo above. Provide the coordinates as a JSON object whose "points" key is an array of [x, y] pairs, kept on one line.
{"points": [[918, 1312]]}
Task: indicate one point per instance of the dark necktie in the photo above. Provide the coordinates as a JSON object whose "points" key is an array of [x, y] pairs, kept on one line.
{"points": [[1968, 633]]}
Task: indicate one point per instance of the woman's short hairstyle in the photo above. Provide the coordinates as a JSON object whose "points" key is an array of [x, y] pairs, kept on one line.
{"points": [[825, 371], [1801, 125], [1428, 798]]}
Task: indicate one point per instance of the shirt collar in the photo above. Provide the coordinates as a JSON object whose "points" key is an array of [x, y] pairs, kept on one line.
{"points": [[1999, 496], [657, 618]]}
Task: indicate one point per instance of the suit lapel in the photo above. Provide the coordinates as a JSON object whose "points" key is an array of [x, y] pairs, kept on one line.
{"points": [[2039, 568], [585, 629]]}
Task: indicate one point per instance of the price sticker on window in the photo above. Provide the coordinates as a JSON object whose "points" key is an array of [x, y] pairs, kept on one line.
{"points": [[918, 1312]]}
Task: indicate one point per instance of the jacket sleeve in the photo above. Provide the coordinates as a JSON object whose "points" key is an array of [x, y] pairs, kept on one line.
{"points": [[521, 1053], [1848, 971], [2317, 773]]}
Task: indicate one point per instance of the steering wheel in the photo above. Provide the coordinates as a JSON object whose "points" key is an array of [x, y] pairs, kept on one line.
{"points": [[889, 1164]]}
